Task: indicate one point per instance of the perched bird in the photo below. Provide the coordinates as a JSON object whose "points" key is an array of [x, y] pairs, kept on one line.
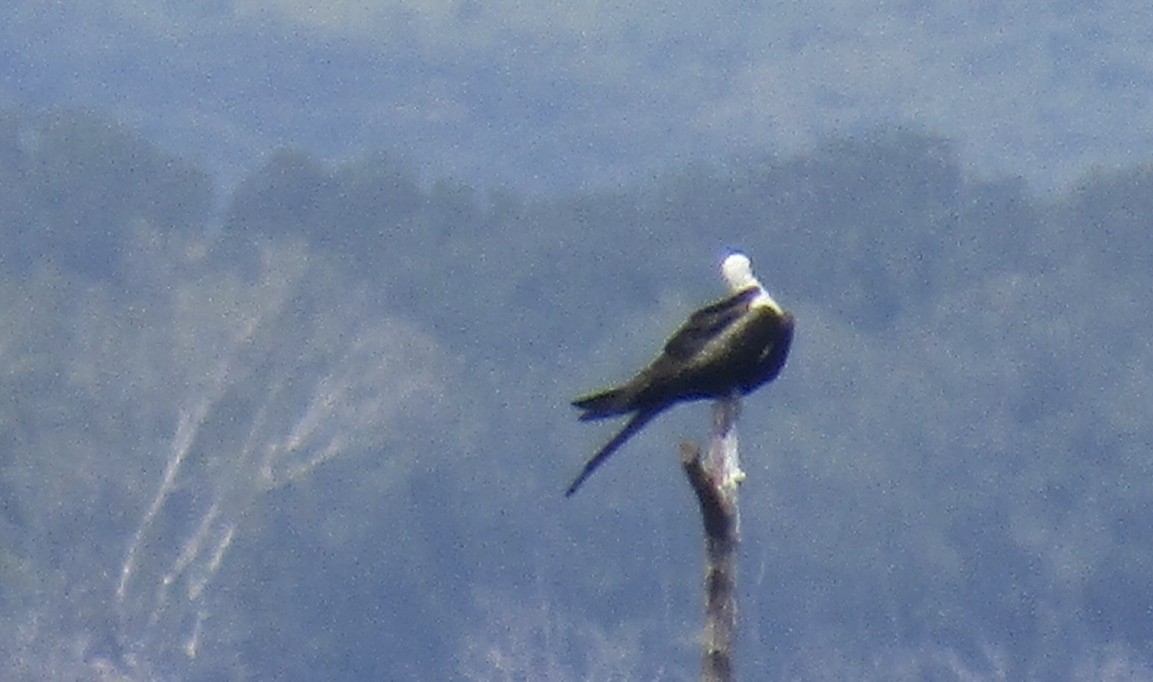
{"points": [[730, 347]]}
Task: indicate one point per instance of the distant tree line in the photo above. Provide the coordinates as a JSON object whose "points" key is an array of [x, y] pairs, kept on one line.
{"points": [[891, 215], [962, 430]]}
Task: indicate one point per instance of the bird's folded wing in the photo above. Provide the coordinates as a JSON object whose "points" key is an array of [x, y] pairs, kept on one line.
{"points": [[706, 323]]}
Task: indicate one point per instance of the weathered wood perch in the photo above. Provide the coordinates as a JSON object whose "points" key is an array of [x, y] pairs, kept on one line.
{"points": [[716, 482]]}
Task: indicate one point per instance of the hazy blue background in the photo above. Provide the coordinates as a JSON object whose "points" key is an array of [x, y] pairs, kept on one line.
{"points": [[554, 98], [295, 296]]}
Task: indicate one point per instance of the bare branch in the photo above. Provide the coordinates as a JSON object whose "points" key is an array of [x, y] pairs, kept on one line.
{"points": [[716, 488]]}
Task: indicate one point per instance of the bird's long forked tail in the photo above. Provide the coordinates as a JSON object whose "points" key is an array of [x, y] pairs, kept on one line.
{"points": [[634, 424], [612, 402]]}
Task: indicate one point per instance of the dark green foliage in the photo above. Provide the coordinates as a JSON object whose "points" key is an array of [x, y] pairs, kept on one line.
{"points": [[74, 186], [1110, 216]]}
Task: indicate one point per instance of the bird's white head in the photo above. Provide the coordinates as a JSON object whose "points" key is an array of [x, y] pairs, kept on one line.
{"points": [[737, 270]]}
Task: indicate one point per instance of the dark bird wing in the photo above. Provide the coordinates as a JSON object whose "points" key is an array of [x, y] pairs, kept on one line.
{"points": [[705, 324], [702, 327], [636, 423]]}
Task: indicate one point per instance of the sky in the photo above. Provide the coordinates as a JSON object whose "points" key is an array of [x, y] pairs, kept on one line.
{"points": [[545, 97]]}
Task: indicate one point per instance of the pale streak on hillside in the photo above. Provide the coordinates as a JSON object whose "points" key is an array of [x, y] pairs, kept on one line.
{"points": [[295, 373]]}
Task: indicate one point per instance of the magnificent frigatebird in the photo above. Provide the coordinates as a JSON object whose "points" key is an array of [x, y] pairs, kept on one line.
{"points": [[730, 347]]}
